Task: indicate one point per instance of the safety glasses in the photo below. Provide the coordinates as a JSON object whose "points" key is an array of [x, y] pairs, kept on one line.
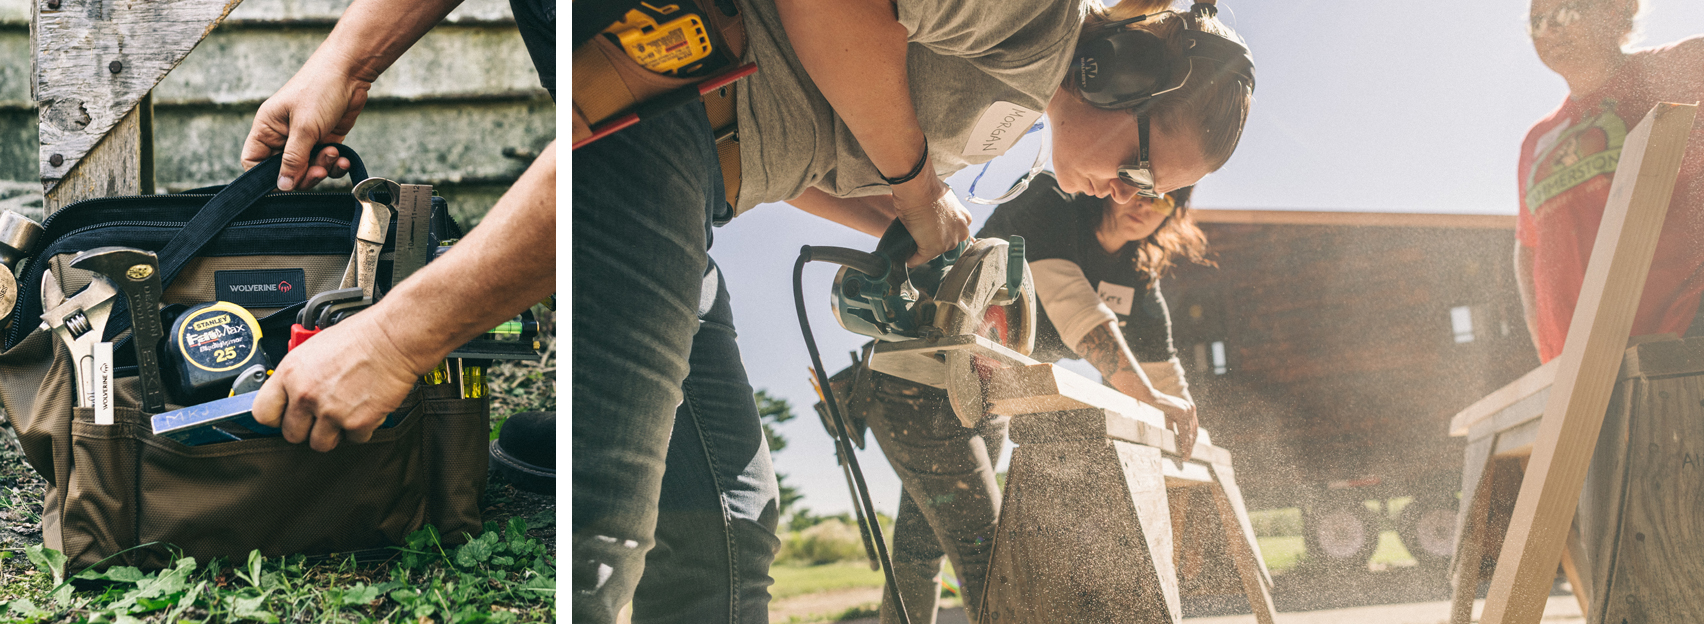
{"points": [[1165, 205], [1141, 174], [1540, 25]]}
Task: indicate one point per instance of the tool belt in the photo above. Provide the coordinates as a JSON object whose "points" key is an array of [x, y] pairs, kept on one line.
{"points": [[608, 84], [112, 487]]}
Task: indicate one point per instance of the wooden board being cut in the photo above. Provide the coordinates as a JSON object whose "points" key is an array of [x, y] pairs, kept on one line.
{"points": [[1047, 389], [1590, 361]]}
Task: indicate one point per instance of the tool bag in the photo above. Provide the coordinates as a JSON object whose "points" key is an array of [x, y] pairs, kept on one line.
{"points": [[112, 488]]}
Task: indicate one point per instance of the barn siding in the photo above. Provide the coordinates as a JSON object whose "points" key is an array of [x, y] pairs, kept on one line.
{"points": [[462, 110]]}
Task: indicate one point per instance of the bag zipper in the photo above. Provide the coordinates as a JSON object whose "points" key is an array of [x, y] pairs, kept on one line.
{"points": [[15, 333]]}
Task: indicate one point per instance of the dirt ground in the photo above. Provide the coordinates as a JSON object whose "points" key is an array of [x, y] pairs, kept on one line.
{"points": [[1395, 596], [1560, 610]]}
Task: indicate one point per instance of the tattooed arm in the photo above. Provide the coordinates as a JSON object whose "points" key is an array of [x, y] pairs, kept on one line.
{"points": [[1105, 349]]}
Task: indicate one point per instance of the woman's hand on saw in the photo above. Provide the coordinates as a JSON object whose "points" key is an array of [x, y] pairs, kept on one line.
{"points": [[933, 215]]}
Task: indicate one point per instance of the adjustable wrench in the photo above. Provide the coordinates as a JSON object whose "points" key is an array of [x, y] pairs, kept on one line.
{"points": [[370, 234], [79, 321], [136, 273]]}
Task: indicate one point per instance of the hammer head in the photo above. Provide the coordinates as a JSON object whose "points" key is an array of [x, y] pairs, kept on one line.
{"points": [[120, 264]]}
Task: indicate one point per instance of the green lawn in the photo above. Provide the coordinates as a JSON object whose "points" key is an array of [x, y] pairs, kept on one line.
{"points": [[1281, 552], [795, 580], [1284, 553], [791, 580]]}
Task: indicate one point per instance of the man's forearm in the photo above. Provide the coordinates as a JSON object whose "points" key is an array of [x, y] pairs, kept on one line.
{"points": [[504, 266], [372, 34]]}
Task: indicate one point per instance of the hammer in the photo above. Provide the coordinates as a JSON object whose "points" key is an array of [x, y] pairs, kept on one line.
{"points": [[136, 273]]}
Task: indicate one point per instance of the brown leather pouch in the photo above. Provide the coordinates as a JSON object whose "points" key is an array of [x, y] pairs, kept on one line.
{"points": [[608, 84]]}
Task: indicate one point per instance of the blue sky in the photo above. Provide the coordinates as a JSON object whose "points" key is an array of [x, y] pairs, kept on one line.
{"points": [[1373, 105]]}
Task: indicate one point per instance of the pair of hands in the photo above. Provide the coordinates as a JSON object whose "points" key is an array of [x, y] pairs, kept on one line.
{"points": [[1179, 411]]}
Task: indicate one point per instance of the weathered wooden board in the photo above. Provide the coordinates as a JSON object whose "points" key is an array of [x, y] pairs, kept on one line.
{"points": [[1652, 491], [459, 63], [1615, 277], [120, 164], [96, 59]]}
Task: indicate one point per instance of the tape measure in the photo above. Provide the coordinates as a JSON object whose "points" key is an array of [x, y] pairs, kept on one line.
{"points": [[665, 39], [210, 345]]}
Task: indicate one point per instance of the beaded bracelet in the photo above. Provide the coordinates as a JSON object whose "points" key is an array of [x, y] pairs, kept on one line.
{"points": [[914, 170]]}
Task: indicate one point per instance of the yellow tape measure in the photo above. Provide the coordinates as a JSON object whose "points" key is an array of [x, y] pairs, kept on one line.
{"points": [[210, 344], [663, 39]]}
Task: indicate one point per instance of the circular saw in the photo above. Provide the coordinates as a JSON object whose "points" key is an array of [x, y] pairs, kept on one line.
{"points": [[958, 317]]}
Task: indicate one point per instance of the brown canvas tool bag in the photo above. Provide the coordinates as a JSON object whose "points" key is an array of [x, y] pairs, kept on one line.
{"points": [[113, 487]]}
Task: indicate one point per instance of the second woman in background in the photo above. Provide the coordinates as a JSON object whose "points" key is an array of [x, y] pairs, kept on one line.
{"points": [[1097, 264]]}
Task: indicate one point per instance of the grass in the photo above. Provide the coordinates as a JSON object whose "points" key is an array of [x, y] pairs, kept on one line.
{"points": [[503, 576], [795, 580], [1282, 553], [508, 574], [1285, 553]]}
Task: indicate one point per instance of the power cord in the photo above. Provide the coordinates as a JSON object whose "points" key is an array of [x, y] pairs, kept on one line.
{"points": [[843, 437]]}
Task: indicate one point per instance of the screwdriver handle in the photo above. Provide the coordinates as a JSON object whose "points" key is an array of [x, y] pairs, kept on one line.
{"points": [[299, 335]]}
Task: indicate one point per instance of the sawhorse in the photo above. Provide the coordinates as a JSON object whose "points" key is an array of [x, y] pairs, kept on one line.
{"points": [[1095, 500]]}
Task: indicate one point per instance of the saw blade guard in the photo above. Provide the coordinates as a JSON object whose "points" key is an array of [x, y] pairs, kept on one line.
{"points": [[989, 293]]}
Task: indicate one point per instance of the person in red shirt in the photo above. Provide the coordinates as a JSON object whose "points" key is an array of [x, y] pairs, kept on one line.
{"points": [[1569, 158]]}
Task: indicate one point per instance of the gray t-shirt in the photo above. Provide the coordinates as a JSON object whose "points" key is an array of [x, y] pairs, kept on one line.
{"points": [[981, 72]]}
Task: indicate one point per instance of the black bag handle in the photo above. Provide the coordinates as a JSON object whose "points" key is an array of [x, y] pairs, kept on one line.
{"points": [[218, 212]]}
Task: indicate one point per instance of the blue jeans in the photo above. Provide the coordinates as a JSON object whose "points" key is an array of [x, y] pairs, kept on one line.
{"points": [[643, 319], [720, 504]]}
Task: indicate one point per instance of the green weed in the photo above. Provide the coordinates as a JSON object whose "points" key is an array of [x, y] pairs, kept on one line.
{"points": [[503, 576]]}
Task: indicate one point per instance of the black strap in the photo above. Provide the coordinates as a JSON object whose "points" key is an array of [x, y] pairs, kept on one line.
{"points": [[230, 202], [217, 213]]}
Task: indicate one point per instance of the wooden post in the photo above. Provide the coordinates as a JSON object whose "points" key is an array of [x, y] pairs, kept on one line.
{"points": [[95, 61], [1239, 540], [1084, 535], [1615, 278]]}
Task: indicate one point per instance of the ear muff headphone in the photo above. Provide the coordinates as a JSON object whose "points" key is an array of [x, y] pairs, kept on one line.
{"points": [[1116, 68]]}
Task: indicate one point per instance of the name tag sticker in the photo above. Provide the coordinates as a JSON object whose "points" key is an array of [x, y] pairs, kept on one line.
{"points": [[1119, 298], [999, 129]]}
